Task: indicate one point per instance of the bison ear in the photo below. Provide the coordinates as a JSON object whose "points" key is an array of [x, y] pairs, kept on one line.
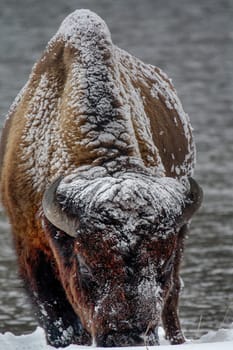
{"points": [[56, 214], [193, 201]]}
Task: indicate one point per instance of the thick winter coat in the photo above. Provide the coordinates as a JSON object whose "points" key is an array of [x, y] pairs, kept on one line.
{"points": [[96, 162]]}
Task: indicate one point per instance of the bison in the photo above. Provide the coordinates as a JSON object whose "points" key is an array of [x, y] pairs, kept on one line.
{"points": [[97, 156]]}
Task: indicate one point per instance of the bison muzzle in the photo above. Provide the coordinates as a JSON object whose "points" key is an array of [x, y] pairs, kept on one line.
{"points": [[97, 157]]}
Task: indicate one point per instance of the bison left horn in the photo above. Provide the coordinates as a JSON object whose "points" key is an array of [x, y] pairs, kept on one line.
{"points": [[56, 214]]}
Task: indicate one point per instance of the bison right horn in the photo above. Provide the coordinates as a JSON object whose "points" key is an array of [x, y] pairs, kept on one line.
{"points": [[56, 214], [195, 197]]}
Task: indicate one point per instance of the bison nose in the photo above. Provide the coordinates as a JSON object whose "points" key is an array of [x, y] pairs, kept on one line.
{"points": [[128, 338], [114, 339]]}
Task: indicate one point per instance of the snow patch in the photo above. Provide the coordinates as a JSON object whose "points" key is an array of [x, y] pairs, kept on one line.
{"points": [[220, 340]]}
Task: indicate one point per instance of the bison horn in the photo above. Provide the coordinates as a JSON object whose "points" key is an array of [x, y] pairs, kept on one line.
{"points": [[195, 197], [56, 214]]}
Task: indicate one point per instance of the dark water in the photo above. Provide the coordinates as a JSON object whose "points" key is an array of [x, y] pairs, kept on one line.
{"points": [[193, 42]]}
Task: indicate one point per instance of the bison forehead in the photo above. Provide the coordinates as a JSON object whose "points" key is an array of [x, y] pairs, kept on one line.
{"points": [[125, 198]]}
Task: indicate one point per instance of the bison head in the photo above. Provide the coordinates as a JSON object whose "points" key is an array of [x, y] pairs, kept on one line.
{"points": [[114, 237]]}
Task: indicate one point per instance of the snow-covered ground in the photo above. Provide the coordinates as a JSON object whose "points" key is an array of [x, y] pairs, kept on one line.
{"points": [[220, 340]]}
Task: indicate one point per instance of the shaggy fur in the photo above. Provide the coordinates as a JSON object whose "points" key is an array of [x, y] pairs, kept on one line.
{"points": [[89, 103]]}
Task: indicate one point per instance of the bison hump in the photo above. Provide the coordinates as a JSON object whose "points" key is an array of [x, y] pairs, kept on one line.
{"points": [[83, 29], [89, 102]]}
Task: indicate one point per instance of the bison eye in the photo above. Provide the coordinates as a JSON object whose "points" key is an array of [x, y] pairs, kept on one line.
{"points": [[85, 275], [84, 269]]}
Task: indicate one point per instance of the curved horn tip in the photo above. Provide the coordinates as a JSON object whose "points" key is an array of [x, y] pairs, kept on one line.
{"points": [[196, 192], [50, 194], [54, 212]]}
